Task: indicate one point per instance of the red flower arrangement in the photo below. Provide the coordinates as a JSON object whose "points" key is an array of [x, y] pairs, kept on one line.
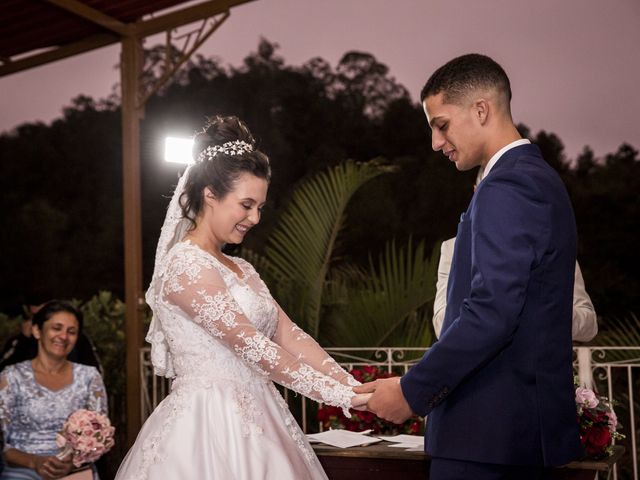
{"points": [[598, 423], [332, 417]]}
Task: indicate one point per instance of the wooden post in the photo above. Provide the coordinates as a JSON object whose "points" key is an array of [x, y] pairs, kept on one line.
{"points": [[131, 63]]}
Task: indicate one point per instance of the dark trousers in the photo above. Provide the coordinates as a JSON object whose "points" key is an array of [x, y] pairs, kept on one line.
{"points": [[447, 469]]}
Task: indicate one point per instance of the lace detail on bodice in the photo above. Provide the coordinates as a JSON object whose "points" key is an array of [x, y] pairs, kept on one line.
{"points": [[216, 323], [248, 410], [212, 326]]}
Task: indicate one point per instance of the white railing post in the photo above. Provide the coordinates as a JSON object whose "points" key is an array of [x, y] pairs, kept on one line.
{"points": [[585, 375]]}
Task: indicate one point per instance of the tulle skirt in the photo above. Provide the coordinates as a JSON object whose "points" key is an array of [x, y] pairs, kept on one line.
{"points": [[221, 430]]}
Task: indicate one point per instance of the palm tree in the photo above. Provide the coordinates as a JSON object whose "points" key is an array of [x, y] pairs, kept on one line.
{"points": [[391, 305], [389, 302]]}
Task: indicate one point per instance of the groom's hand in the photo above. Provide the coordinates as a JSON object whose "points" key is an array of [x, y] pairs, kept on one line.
{"points": [[359, 401], [387, 400]]}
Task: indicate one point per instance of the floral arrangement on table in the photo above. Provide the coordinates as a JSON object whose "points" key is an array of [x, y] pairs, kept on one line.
{"points": [[598, 423], [332, 417], [86, 435]]}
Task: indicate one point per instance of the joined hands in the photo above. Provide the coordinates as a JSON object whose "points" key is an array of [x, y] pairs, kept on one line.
{"points": [[360, 400], [383, 397]]}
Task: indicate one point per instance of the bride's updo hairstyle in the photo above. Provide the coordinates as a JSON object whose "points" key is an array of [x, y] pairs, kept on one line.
{"points": [[223, 150]]}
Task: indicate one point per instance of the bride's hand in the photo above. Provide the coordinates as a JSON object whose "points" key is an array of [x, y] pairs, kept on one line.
{"points": [[359, 401]]}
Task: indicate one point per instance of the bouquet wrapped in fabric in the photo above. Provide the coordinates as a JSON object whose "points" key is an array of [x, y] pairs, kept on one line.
{"points": [[86, 435], [598, 423], [332, 417]]}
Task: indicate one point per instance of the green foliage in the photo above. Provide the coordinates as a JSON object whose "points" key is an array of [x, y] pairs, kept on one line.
{"points": [[339, 303], [104, 317], [391, 305], [9, 326], [302, 247], [604, 193], [621, 332]]}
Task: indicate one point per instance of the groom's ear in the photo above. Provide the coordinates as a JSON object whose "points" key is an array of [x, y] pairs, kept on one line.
{"points": [[481, 109]]}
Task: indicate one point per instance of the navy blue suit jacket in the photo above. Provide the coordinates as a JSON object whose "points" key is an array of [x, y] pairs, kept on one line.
{"points": [[498, 385]]}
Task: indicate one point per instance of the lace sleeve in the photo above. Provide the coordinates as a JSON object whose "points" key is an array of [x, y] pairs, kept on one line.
{"points": [[97, 399], [199, 290], [7, 402], [302, 346]]}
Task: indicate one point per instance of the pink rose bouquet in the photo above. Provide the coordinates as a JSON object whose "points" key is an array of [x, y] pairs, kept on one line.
{"points": [[598, 423], [86, 435]]}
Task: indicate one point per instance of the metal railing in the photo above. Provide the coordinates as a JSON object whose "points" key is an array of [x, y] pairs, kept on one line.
{"points": [[614, 372]]}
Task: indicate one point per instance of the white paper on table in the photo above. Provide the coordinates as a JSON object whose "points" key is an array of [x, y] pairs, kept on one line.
{"points": [[343, 438], [407, 441], [402, 445]]}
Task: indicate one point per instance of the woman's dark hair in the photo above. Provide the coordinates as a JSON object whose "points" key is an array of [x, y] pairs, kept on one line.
{"points": [[220, 172], [52, 307]]}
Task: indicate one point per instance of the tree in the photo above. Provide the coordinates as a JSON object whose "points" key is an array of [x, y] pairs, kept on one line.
{"points": [[363, 80], [61, 183]]}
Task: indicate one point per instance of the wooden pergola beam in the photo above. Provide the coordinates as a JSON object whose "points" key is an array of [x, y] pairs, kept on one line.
{"points": [[132, 112], [144, 28], [90, 43], [95, 16]]}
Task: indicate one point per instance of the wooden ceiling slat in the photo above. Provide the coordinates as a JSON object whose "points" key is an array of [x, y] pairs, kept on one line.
{"points": [[30, 26], [34, 24], [92, 15]]}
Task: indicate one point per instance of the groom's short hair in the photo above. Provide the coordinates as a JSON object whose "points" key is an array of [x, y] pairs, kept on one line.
{"points": [[465, 74]]}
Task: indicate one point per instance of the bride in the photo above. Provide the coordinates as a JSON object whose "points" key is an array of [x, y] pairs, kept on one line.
{"points": [[223, 339]]}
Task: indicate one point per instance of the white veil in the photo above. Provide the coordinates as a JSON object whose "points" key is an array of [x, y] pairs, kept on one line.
{"points": [[174, 228]]}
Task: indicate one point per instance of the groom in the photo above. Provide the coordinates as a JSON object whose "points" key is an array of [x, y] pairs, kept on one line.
{"points": [[497, 386]]}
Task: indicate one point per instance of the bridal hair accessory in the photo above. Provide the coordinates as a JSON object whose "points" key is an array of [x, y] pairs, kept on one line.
{"points": [[236, 147]]}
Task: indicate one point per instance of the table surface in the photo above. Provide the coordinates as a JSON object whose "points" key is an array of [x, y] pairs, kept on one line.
{"points": [[382, 450]]}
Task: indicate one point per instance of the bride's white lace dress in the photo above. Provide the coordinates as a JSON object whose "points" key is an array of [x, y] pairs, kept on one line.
{"points": [[225, 340]]}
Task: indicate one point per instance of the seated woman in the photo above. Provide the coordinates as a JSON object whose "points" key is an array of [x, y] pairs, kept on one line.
{"points": [[37, 396]]}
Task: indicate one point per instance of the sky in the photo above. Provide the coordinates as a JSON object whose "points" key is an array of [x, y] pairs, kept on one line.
{"points": [[574, 65]]}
